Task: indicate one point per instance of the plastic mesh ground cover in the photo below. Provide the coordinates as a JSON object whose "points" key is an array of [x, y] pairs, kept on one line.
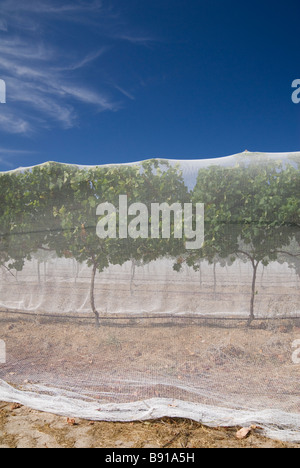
{"points": [[139, 328]]}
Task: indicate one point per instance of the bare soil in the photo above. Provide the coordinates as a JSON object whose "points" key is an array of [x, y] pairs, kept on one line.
{"points": [[132, 360]]}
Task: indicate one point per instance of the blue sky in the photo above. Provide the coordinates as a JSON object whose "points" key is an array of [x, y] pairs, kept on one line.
{"points": [[95, 82]]}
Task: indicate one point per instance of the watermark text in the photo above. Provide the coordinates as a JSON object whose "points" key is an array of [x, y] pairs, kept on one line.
{"points": [[296, 353], [296, 93], [2, 92], [137, 221], [2, 352]]}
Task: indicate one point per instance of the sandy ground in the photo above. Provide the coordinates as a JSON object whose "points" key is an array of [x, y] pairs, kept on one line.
{"points": [[22, 427], [122, 362], [252, 366]]}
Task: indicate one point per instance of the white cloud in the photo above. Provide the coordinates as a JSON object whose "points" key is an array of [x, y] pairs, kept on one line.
{"points": [[124, 92], [10, 123], [86, 60], [7, 153], [3, 25], [42, 86], [43, 80], [135, 39], [30, 14], [50, 7]]}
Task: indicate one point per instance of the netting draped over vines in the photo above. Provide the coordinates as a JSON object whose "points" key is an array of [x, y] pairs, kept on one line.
{"points": [[155, 288]]}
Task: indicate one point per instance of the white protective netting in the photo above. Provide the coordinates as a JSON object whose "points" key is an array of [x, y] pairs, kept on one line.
{"points": [[139, 327]]}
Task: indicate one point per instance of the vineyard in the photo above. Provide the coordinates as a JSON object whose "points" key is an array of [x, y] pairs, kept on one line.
{"points": [[139, 327]]}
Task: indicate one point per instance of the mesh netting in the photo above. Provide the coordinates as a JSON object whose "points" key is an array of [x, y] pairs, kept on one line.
{"points": [[160, 288]]}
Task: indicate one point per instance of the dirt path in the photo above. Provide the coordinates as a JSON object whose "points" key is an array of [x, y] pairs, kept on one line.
{"points": [[22, 427]]}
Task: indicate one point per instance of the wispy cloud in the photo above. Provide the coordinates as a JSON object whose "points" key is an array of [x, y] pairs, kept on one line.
{"points": [[136, 39], [87, 59], [7, 153], [50, 7], [3, 25], [124, 92], [30, 14], [38, 84], [5, 163], [12, 124], [44, 80], [40, 90]]}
